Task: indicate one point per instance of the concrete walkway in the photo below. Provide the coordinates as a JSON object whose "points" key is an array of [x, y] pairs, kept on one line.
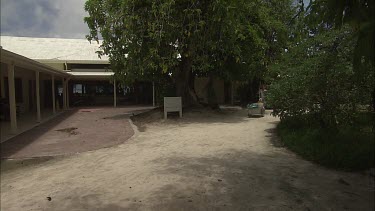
{"points": [[77, 130], [204, 161]]}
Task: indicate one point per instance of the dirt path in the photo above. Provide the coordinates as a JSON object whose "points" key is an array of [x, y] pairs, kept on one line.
{"points": [[204, 162], [76, 130]]}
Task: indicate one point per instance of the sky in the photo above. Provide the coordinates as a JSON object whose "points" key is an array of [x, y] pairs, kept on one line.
{"points": [[43, 18]]}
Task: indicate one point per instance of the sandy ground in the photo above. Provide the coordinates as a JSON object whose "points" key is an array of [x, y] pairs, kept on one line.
{"points": [[205, 161]]}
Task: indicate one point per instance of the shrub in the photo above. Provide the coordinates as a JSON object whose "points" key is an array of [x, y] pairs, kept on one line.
{"points": [[347, 148], [317, 77]]}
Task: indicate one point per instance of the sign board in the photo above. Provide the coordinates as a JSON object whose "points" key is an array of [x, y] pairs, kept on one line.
{"points": [[172, 104]]}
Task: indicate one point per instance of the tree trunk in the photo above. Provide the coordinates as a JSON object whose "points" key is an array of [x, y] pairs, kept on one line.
{"points": [[373, 109], [184, 88], [211, 95]]}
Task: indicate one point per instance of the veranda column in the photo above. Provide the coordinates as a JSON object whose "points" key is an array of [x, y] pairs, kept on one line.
{"points": [[2, 84], [64, 93], [153, 94], [114, 94], [12, 99], [53, 94], [37, 90]]}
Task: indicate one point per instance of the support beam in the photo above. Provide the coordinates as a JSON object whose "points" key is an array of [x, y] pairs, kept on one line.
{"points": [[53, 94], [153, 94], [12, 99], [37, 90], [2, 83], [114, 94]]}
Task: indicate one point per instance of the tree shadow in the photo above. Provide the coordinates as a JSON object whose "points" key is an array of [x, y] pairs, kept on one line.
{"points": [[273, 137], [119, 116], [243, 180], [228, 182], [85, 202], [191, 116], [128, 114]]}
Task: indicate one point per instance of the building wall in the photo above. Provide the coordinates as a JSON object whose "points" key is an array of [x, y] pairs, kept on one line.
{"points": [[59, 66], [200, 85]]}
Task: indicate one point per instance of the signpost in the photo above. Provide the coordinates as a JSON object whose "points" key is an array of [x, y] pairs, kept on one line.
{"points": [[172, 104]]}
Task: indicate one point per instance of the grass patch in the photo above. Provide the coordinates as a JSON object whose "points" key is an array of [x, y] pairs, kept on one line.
{"points": [[347, 148]]}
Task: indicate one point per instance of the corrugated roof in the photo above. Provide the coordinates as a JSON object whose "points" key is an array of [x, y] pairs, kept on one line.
{"points": [[53, 48], [22, 61]]}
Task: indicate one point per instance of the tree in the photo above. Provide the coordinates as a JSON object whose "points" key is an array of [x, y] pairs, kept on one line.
{"points": [[183, 38], [316, 78], [360, 15], [328, 69]]}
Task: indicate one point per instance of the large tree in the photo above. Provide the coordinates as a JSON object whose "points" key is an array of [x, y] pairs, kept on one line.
{"points": [[328, 70], [185, 38]]}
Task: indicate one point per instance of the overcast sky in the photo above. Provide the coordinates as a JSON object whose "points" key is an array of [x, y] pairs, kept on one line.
{"points": [[43, 18]]}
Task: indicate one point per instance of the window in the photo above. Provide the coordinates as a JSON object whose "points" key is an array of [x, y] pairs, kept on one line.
{"points": [[60, 90], [77, 89], [99, 89]]}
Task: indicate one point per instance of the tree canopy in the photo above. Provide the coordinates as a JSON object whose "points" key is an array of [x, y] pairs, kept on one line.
{"points": [[181, 39], [327, 72]]}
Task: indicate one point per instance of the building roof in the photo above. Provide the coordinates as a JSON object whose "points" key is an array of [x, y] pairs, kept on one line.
{"points": [[22, 61], [53, 49], [92, 73]]}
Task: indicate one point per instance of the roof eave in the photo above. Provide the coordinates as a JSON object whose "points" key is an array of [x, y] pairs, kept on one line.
{"points": [[19, 60]]}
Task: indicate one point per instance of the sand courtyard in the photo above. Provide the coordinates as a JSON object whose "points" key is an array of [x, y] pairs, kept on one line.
{"points": [[203, 161]]}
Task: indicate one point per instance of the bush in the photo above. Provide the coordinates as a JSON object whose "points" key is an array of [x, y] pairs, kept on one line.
{"points": [[347, 148], [317, 77]]}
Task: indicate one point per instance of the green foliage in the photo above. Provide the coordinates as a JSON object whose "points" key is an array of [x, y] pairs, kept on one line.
{"points": [[164, 88], [322, 85], [359, 14], [248, 92], [316, 76], [232, 39], [346, 149]]}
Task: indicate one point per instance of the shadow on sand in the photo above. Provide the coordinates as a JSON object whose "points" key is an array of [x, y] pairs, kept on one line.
{"points": [[191, 116]]}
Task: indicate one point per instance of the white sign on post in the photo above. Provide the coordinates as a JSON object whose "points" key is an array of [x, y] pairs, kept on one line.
{"points": [[172, 104]]}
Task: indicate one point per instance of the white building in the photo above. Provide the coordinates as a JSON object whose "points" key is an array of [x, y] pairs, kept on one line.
{"points": [[41, 76]]}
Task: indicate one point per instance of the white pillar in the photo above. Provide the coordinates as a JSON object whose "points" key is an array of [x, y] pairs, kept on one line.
{"points": [[12, 99], [37, 90], [153, 94], [53, 94], [2, 84], [64, 93], [114, 94]]}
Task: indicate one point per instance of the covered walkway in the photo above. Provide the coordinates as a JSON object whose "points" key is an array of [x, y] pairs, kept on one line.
{"points": [[31, 92], [76, 130]]}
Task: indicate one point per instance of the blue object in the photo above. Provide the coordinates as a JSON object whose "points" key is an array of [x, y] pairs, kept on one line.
{"points": [[253, 105]]}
